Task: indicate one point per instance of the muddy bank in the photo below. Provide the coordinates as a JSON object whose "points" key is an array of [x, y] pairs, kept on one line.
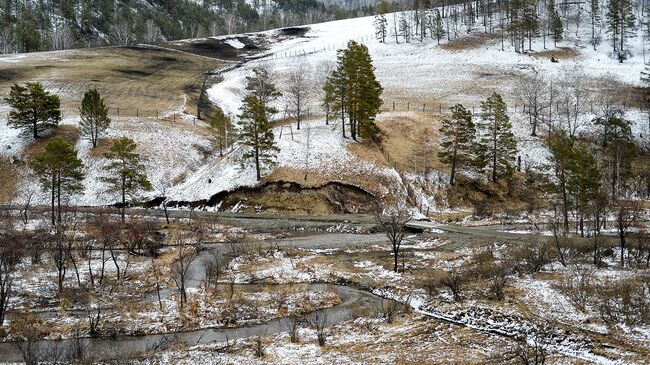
{"points": [[287, 198]]}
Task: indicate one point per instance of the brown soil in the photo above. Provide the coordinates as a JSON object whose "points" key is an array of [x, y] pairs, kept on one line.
{"points": [[103, 146], [291, 198], [562, 53], [409, 141], [475, 41]]}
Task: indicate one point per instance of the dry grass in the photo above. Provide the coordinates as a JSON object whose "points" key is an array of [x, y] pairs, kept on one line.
{"points": [[8, 180], [410, 140], [562, 53], [472, 42], [103, 146], [127, 78], [68, 133]]}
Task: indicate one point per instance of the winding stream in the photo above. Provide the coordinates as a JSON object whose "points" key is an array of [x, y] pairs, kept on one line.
{"points": [[354, 303]]}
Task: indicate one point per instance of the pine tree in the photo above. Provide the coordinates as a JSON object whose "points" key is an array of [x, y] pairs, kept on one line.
{"points": [[381, 24], [33, 108], [585, 179], [335, 90], [94, 116], [405, 26], [498, 147], [436, 27], [362, 90], [126, 173], [517, 24], [530, 21], [457, 138], [561, 147], [621, 20], [257, 134], [557, 28], [222, 130], [60, 171], [595, 20]]}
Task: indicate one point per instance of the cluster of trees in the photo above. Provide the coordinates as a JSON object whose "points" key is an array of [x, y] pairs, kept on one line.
{"points": [[519, 20], [27, 26], [58, 167], [350, 90], [490, 144]]}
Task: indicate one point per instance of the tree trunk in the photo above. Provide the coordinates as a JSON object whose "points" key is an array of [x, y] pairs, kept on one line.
{"points": [[395, 256], [621, 235], [123, 198], [58, 199], [53, 196], [257, 163]]}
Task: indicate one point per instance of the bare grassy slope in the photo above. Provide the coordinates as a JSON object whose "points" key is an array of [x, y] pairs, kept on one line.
{"points": [[128, 78]]}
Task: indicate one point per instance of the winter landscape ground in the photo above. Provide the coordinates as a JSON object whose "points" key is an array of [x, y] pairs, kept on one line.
{"points": [[533, 249]]}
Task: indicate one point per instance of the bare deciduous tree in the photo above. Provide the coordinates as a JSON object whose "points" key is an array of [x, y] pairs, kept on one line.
{"points": [[574, 101], [122, 31], [62, 38], [318, 320], [391, 221], [7, 41], [11, 250], [151, 33], [187, 251], [533, 91], [298, 89], [628, 213]]}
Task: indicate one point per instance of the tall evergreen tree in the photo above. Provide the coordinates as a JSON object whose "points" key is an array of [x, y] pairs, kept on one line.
{"points": [[60, 171], [94, 116], [584, 179], [457, 138], [126, 174], [435, 24], [530, 20], [595, 17], [620, 16], [381, 24], [561, 147], [257, 134], [557, 28], [335, 90], [222, 130], [33, 108], [361, 88], [497, 144]]}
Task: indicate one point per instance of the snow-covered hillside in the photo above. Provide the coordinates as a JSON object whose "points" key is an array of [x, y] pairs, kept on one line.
{"points": [[423, 74], [416, 73]]}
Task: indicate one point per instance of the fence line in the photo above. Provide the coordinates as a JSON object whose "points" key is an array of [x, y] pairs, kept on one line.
{"points": [[154, 114]]}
